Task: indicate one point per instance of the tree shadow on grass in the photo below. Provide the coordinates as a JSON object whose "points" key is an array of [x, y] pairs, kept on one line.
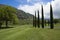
{"points": [[6, 27]]}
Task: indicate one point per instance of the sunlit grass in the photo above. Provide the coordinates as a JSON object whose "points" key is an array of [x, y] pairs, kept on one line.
{"points": [[27, 32]]}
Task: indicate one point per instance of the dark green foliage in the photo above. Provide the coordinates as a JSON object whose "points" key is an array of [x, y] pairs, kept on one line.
{"points": [[0, 24], [35, 19], [38, 20], [56, 21], [51, 17], [48, 22], [45, 22], [1, 17], [42, 17], [9, 15]]}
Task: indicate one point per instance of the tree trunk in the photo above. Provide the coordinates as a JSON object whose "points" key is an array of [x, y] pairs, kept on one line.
{"points": [[0, 24], [6, 23]]}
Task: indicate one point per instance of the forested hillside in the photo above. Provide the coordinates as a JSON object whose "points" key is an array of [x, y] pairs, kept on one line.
{"points": [[19, 15]]}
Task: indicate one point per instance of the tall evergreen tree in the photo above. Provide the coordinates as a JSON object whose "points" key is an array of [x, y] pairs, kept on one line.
{"points": [[42, 17], [45, 22], [48, 22], [38, 20], [35, 19], [51, 17]]}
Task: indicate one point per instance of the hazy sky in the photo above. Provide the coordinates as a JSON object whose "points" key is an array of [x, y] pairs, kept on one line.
{"points": [[31, 6]]}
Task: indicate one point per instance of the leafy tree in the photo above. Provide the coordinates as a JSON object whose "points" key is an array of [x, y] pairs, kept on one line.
{"points": [[15, 19], [7, 14], [1, 16]]}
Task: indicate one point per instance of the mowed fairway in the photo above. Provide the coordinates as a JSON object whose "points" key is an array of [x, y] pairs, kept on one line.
{"points": [[27, 32]]}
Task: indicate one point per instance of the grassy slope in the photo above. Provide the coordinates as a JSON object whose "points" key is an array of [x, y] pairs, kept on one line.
{"points": [[27, 32]]}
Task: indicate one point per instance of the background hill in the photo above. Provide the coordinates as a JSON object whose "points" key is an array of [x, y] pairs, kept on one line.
{"points": [[24, 18], [21, 14]]}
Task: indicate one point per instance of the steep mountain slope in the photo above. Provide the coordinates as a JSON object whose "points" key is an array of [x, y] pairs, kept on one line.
{"points": [[23, 15]]}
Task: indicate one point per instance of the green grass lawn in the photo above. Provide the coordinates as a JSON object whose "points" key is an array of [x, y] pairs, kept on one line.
{"points": [[27, 32]]}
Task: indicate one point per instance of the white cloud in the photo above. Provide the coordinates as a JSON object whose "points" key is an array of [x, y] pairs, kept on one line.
{"points": [[30, 9], [33, 0], [37, 6], [56, 8], [28, 0]]}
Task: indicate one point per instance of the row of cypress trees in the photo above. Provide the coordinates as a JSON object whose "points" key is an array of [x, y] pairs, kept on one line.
{"points": [[42, 24]]}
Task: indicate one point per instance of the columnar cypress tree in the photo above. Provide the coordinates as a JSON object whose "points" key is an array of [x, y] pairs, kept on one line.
{"points": [[45, 22], [38, 20], [48, 22], [51, 17], [35, 19], [42, 17]]}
